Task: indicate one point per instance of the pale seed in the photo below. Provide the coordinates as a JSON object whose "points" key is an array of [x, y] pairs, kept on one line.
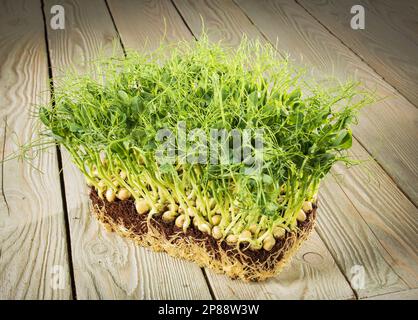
{"points": [[278, 232], [168, 216], [141, 206], [180, 221], [204, 227], [301, 215], [217, 232], [231, 239], [216, 219], [307, 206], [124, 194], [269, 242], [110, 195]]}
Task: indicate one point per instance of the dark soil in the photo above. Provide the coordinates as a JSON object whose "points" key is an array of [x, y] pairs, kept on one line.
{"points": [[124, 212]]}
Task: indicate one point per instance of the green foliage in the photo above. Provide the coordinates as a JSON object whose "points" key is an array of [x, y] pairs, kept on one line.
{"points": [[109, 121]]}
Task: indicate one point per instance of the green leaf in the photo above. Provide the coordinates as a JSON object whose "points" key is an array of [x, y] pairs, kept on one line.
{"points": [[124, 96], [343, 140], [137, 105], [44, 116], [74, 127], [267, 179]]}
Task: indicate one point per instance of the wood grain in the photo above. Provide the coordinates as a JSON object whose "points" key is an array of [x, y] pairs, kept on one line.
{"points": [[105, 265], [33, 248], [389, 52], [352, 243], [221, 22], [305, 279], [401, 295], [388, 129], [144, 24], [392, 219], [401, 17], [404, 265]]}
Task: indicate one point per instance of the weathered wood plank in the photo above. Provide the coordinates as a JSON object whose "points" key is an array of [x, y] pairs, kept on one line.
{"points": [[375, 281], [402, 295], [389, 52], [143, 24], [352, 243], [305, 278], [392, 219], [33, 248], [105, 265], [401, 17], [388, 129]]}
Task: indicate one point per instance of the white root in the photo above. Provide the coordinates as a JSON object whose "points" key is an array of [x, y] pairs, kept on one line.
{"points": [[110, 195]]}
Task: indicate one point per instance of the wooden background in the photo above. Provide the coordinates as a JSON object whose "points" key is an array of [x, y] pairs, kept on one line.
{"points": [[368, 217]]}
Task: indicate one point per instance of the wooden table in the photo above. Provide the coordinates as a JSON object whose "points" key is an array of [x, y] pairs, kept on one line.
{"points": [[365, 242]]}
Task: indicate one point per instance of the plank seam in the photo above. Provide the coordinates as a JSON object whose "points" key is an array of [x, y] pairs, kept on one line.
{"points": [[388, 174], [183, 19], [2, 167], [357, 54], [212, 293], [60, 168], [374, 234], [116, 27]]}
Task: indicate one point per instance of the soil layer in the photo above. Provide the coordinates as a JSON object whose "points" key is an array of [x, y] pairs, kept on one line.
{"points": [[238, 261]]}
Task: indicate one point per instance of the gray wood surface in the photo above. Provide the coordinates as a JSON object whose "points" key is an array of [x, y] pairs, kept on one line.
{"points": [[368, 213], [397, 63], [33, 245]]}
